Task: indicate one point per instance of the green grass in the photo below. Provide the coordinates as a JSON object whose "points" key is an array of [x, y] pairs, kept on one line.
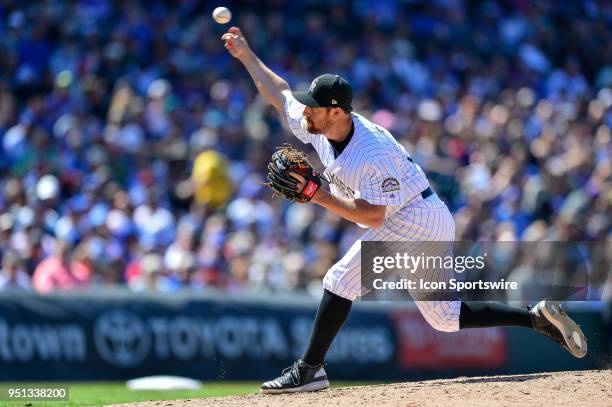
{"points": [[102, 393]]}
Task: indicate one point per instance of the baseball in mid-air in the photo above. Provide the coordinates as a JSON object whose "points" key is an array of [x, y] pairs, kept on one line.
{"points": [[222, 15]]}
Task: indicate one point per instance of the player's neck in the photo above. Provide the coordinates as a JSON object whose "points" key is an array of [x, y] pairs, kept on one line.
{"points": [[340, 131]]}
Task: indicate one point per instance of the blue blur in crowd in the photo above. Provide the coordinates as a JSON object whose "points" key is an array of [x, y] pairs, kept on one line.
{"points": [[104, 107]]}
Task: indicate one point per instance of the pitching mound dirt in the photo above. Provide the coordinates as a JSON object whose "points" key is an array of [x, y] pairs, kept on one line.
{"points": [[580, 388]]}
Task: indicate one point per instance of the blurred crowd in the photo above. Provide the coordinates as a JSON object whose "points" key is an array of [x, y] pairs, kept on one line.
{"points": [[132, 143]]}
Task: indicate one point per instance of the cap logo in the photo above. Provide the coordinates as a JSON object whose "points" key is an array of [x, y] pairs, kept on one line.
{"points": [[313, 85], [334, 102]]}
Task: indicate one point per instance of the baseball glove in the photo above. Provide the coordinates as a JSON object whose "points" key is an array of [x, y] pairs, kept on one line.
{"points": [[285, 160]]}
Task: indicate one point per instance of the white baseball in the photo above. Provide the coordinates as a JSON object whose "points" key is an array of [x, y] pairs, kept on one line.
{"points": [[222, 15]]}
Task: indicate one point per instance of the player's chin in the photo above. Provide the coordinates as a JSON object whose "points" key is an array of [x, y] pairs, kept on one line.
{"points": [[311, 128]]}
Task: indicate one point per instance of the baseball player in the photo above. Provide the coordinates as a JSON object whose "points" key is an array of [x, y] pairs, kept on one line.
{"points": [[375, 183]]}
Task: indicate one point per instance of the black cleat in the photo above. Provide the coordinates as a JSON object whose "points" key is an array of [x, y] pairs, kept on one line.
{"points": [[300, 377], [550, 319]]}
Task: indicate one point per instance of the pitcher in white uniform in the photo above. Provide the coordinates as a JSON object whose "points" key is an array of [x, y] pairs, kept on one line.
{"points": [[375, 183]]}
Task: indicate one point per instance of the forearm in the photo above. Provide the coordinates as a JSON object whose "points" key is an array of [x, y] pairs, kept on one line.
{"points": [[268, 83], [354, 210]]}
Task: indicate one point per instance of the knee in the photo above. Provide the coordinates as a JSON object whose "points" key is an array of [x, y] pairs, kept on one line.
{"points": [[339, 287], [443, 316]]}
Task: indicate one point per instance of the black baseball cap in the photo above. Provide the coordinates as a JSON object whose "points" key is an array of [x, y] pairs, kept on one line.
{"points": [[327, 90]]}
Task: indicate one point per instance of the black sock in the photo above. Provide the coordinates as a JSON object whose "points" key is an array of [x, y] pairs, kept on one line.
{"points": [[482, 314], [331, 315]]}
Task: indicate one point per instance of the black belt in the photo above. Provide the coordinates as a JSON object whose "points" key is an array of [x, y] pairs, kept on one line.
{"points": [[427, 193]]}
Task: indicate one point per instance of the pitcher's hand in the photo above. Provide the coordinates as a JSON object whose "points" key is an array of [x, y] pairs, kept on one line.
{"points": [[235, 43]]}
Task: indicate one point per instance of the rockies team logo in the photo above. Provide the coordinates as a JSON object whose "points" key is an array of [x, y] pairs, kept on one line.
{"points": [[390, 185], [313, 85]]}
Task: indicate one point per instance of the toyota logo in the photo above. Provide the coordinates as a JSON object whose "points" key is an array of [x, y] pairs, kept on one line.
{"points": [[122, 339]]}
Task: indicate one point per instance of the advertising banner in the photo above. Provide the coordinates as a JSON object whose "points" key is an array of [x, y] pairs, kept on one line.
{"points": [[420, 347], [84, 337]]}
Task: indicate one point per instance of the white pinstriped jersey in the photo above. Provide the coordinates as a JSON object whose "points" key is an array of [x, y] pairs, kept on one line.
{"points": [[373, 166]]}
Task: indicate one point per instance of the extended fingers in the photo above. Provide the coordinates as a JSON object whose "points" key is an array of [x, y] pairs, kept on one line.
{"points": [[232, 39], [229, 40], [232, 33]]}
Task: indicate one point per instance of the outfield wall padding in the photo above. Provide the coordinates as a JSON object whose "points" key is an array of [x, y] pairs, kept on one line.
{"points": [[117, 337]]}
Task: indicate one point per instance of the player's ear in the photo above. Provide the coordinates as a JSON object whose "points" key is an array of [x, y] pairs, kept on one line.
{"points": [[336, 112]]}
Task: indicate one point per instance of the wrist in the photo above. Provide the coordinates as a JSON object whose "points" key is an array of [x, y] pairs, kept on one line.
{"points": [[319, 196], [246, 57]]}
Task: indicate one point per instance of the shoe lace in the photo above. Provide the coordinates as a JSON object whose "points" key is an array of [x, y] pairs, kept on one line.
{"points": [[294, 372]]}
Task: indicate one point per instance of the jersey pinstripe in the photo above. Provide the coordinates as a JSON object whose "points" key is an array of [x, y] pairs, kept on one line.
{"points": [[376, 168]]}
